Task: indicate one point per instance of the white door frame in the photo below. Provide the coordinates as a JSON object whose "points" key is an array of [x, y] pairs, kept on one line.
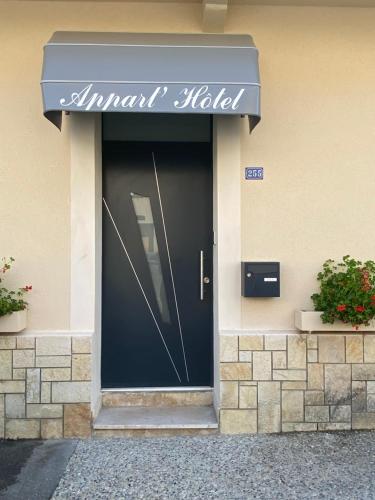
{"points": [[86, 234]]}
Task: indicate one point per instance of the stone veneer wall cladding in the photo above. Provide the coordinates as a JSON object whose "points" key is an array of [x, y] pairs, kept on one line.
{"points": [[45, 387], [269, 383], [297, 382]]}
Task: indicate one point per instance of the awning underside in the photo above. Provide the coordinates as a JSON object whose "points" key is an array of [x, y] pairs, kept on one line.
{"points": [[124, 72]]}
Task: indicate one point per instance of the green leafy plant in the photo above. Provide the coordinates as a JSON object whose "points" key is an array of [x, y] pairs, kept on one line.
{"points": [[11, 300], [347, 291]]}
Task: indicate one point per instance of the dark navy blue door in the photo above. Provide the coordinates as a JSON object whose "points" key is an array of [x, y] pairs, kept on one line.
{"points": [[157, 264]]}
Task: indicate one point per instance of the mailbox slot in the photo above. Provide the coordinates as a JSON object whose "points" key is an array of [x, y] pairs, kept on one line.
{"points": [[260, 279]]}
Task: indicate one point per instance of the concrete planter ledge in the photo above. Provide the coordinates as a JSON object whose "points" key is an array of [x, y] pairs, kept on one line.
{"points": [[13, 323], [310, 321]]}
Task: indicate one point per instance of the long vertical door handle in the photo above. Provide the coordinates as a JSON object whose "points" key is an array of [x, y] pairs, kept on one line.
{"points": [[201, 275]]}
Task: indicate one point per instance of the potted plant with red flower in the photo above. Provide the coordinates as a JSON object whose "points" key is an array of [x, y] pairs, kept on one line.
{"points": [[346, 299], [13, 307]]}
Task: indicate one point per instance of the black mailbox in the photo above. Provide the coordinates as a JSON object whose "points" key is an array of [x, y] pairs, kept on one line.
{"points": [[260, 279]]}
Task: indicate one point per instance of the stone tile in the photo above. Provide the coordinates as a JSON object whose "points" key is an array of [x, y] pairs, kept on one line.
{"points": [[298, 427], [19, 374], [275, 342], [340, 413], [2, 405], [44, 410], [247, 382], [312, 341], [53, 346], [359, 403], [317, 413], [251, 342], [354, 349], [292, 406], [51, 428], [262, 366], [22, 429], [363, 372], [245, 356], [24, 358], [248, 396], [294, 386], [370, 402], [338, 381], [157, 398], [13, 387], [5, 365], [279, 359], [312, 355], [77, 420], [331, 348], [45, 392], [229, 394], [315, 376], [313, 398], [25, 343], [81, 367], [229, 348], [81, 345], [331, 426], [371, 387], [363, 421], [296, 351], [269, 407], [53, 361], [55, 374], [238, 421], [369, 348], [33, 385], [298, 375], [15, 406], [7, 342], [71, 392], [235, 371]]}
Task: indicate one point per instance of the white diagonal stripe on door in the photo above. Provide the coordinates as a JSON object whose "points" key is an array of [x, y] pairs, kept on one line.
{"points": [[170, 267], [140, 285]]}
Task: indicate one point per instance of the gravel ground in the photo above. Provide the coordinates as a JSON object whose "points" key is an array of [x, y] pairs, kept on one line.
{"points": [[294, 466]]}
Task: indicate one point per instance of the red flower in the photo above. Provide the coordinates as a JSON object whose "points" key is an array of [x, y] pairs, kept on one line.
{"points": [[28, 288], [373, 298], [359, 309], [341, 307]]}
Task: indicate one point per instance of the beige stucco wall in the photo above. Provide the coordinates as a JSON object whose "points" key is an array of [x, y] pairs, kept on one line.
{"points": [[34, 156], [315, 141]]}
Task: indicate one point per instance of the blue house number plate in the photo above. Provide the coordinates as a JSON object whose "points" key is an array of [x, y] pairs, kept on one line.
{"points": [[254, 173]]}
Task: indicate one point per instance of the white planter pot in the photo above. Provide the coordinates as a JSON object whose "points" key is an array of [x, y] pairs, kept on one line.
{"points": [[13, 323], [310, 321]]}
